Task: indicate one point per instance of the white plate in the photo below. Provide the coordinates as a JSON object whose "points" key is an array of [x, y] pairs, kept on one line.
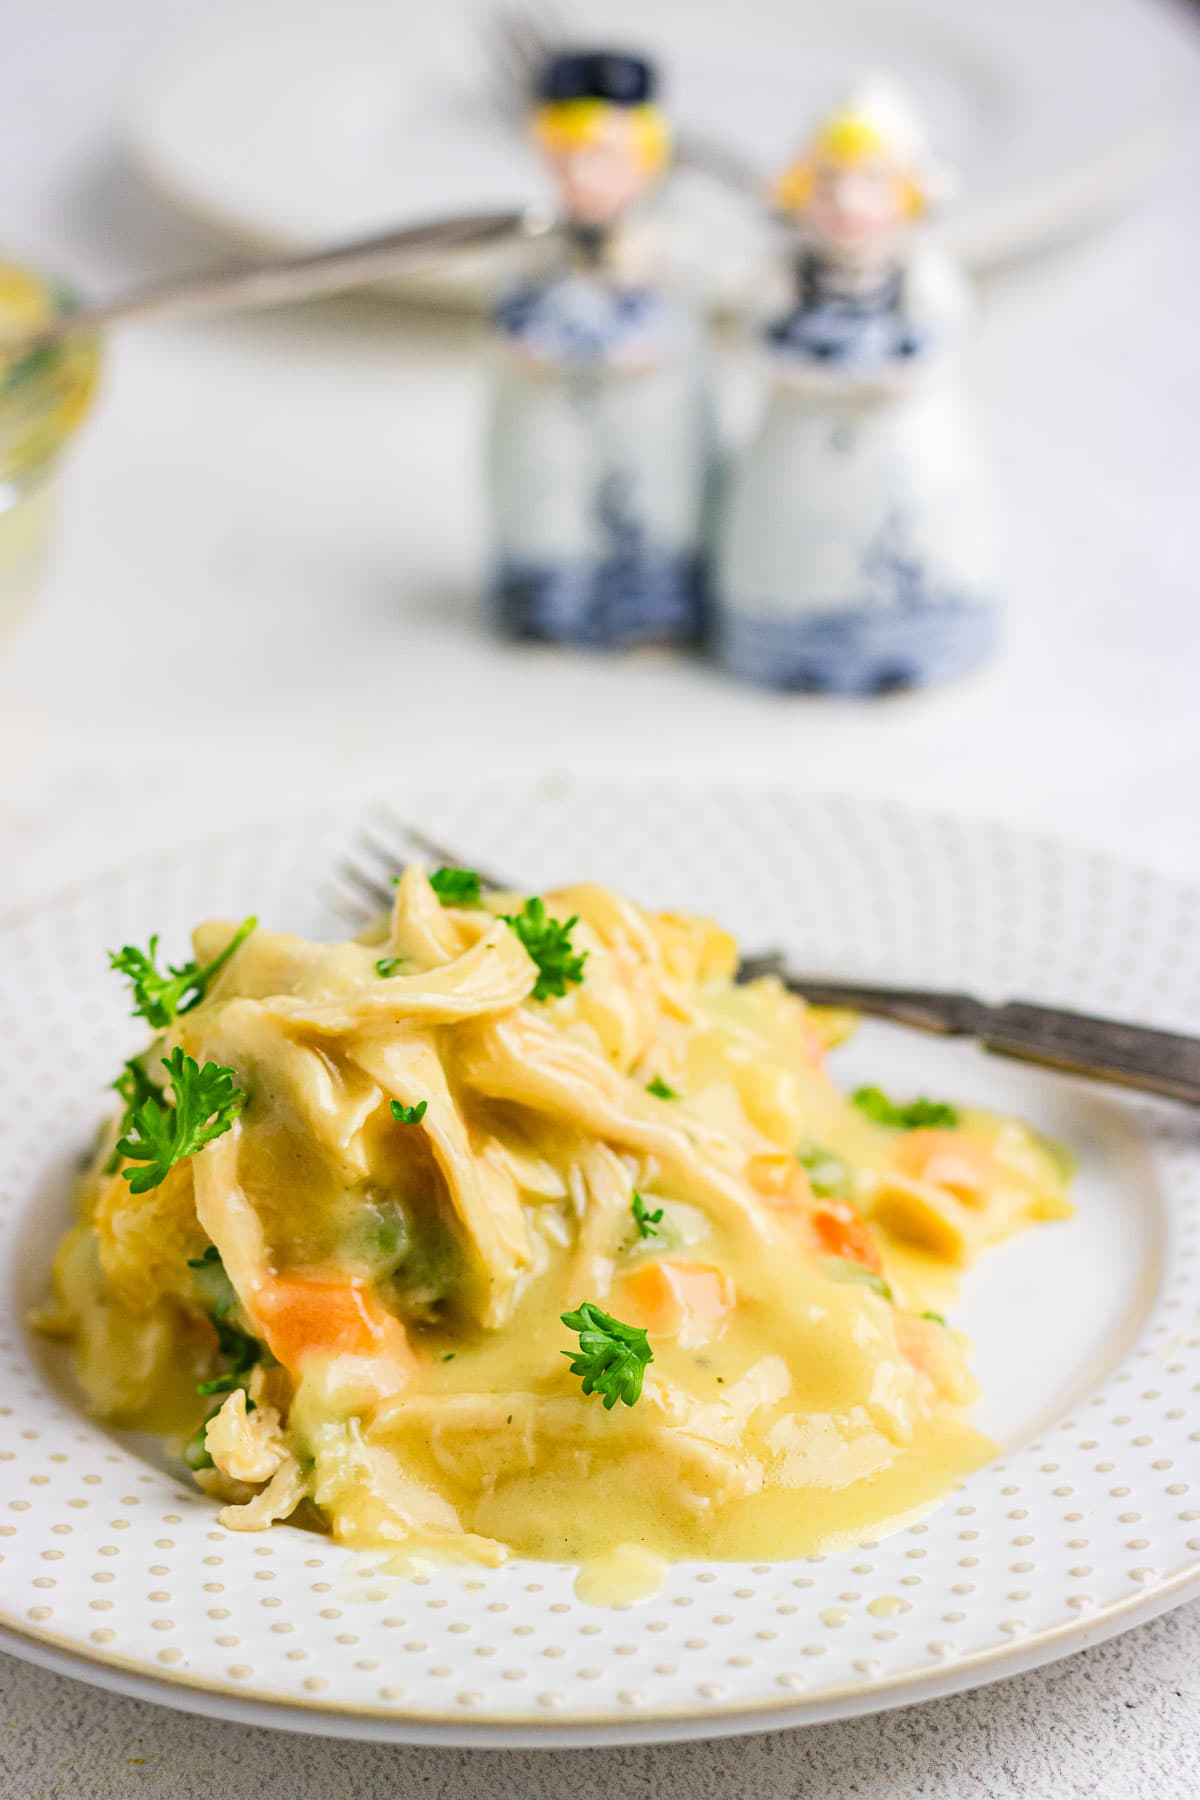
{"points": [[1088, 1336], [299, 122]]}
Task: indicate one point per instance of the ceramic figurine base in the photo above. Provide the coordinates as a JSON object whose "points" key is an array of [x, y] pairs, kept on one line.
{"points": [[857, 653], [649, 600], [856, 553]]}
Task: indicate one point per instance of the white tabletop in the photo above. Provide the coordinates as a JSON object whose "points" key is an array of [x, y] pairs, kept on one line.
{"points": [[1115, 1723], [265, 595]]}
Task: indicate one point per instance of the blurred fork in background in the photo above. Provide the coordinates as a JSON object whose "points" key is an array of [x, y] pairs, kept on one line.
{"points": [[1166, 1063]]}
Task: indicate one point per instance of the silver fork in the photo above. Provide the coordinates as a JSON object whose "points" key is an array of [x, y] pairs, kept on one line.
{"points": [[364, 881], [518, 49], [288, 278], [519, 41], [1166, 1063]]}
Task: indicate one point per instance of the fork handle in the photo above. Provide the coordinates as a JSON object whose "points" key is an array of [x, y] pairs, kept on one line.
{"points": [[1158, 1062], [301, 277]]}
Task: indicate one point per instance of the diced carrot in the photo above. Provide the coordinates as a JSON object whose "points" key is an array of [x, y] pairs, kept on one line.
{"points": [[839, 1231], [946, 1160], [313, 1314], [921, 1342], [690, 1301], [780, 1180], [811, 1044], [932, 1351]]}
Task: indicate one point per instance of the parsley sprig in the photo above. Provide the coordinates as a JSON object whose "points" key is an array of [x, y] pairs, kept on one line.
{"points": [[611, 1357], [238, 1349], [160, 997], [213, 1282], [661, 1089], [875, 1104], [647, 1222], [409, 1115], [456, 887], [548, 942], [206, 1102], [134, 1086], [387, 966]]}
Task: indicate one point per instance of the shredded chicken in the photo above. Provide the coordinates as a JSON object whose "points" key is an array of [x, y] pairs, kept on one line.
{"points": [[249, 1451], [248, 1446], [519, 1225]]}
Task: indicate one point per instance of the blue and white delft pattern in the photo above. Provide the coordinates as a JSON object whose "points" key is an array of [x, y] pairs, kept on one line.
{"points": [[849, 329], [600, 465], [855, 552], [580, 318]]}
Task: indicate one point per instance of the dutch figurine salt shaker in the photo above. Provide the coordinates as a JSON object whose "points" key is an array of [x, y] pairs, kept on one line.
{"points": [[600, 451], [855, 552]]}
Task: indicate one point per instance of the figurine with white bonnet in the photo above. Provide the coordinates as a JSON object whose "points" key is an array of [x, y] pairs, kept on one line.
{"points": [[855, 550], [600, 443]]}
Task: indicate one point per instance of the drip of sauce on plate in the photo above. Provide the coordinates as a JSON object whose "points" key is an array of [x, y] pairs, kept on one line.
{"points": [[620, 1576], [885, 1605]]}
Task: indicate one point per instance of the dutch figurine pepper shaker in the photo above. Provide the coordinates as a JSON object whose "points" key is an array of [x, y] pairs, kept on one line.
{"points": [[855, 550], [600, 450]]}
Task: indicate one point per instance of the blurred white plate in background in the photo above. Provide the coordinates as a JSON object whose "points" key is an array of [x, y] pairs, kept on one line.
{"points": [[302, 121]]}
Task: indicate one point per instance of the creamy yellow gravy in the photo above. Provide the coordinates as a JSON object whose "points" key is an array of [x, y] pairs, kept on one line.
{"points": [[396, 1289]]}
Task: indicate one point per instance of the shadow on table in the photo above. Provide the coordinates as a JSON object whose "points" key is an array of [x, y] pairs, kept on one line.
{"points": [[125, 227]]}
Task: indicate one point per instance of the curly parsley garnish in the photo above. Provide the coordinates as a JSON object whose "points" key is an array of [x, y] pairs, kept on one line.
{"points": [[246, 1352], [213, 1283], [409, 1115], [134, 1086], [239, 1350], [207, 1101], [456, 887], [158, 997], [211, 1258], [647, 1222], [611, 1357], [875, 1104], [549, 945], [661, 1091]]}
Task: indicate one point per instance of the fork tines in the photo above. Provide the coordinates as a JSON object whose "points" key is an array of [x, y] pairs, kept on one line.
{"points": [[362, 884], [520, 44], [364, 879]]}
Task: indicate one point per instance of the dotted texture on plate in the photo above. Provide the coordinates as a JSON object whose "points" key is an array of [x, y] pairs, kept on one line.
{"points": [[106, 1552]]}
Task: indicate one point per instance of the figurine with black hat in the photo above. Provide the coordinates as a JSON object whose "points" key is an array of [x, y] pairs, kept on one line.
{"points": [[601, 443]]}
